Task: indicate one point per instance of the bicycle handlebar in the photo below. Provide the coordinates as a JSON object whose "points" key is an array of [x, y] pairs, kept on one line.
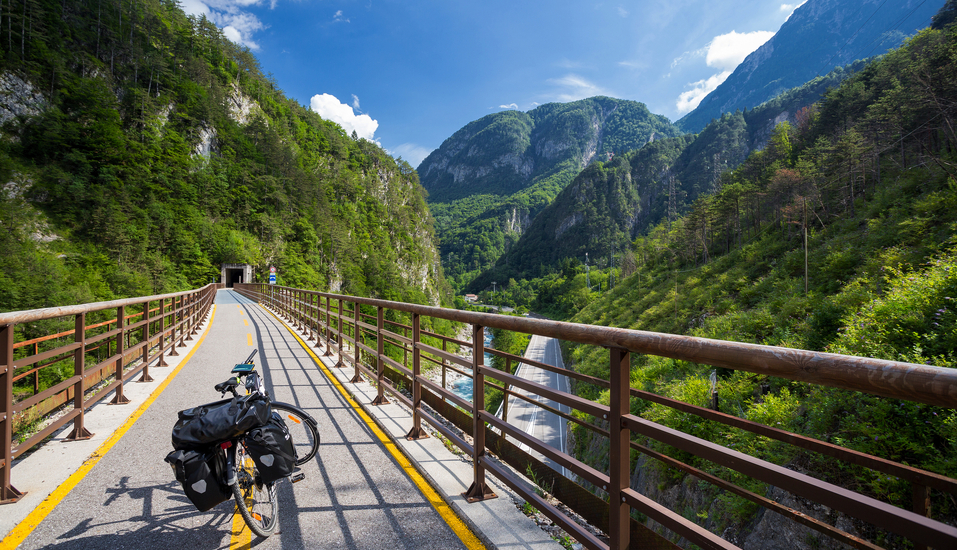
{"points": [[249, 359]]}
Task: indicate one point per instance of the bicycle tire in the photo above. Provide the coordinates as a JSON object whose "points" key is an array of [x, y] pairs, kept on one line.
{"points": [[304, 434], [256, 501]]}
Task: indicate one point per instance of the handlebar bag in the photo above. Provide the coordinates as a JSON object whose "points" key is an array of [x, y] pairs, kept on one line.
{"points": [[272, 449], [201, 474], [205, 425]]}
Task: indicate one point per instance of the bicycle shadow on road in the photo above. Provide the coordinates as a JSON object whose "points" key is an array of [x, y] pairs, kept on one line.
{"points": [[168, 520]]}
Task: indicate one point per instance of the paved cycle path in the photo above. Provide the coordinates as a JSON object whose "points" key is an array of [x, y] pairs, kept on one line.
{"points": [[354, 495]]}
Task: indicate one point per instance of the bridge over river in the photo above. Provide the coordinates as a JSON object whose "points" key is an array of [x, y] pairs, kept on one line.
{"points": [[406, 463]]}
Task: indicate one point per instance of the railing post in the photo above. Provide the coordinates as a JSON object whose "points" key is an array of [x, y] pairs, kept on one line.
{"points": [[172, 341], [416, 432], [357, 336], [380, 398], [310, 320], [921, 501], [444, 348], [191, 316], [8, 492], [182, 321], [619, 464], [479, 490], [146, 344], [317, 309], [161, 343], [508, 370], [329, 331], [339, 343], [119, 398], [79, 369]]}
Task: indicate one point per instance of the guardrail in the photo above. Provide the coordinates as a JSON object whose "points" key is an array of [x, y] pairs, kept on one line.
{"points": [[336, 320], [136, 332]]}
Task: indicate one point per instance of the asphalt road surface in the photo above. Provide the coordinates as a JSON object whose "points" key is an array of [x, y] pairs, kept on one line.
{"points": [[536, 421]]}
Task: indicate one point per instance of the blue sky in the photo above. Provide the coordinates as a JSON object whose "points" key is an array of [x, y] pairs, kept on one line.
{"points": [[408, 73]]}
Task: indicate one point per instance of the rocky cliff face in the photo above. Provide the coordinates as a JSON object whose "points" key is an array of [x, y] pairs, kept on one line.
{"points": [[18, 98], [509, 151]]}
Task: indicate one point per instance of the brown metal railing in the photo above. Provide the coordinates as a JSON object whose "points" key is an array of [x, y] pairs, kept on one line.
{"points": [[132, 341], [334, 321]]}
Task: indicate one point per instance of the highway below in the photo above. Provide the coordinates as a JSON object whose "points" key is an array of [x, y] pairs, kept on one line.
{"points": [[533, 420]]}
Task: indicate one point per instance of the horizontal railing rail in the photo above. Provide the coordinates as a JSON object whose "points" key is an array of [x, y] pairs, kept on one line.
{"points": [[387, 345], [165, 322]]}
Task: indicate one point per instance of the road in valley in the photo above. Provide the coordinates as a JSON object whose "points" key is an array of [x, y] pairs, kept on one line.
{"points": [[537, 422]]}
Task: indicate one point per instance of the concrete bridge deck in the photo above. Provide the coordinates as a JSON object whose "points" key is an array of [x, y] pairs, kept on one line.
{"points": [[361, 491]]}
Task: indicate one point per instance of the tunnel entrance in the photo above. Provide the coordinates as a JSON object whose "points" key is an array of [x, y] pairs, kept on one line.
{"points": [[236, 273]]}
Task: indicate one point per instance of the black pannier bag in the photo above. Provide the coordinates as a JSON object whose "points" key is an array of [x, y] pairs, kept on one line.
{"points": [[272, 448], [212, 423], [201, 474]]}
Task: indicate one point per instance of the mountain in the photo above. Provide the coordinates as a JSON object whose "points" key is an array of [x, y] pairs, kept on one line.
{"points": [[819, 35], [489, 180], [610, 204], [140, 149], [508, 151]]}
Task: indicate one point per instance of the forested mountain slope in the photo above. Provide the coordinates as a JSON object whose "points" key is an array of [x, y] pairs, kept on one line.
{"points": [[819, 35], [489, 180], [610, 203], [872, 177], [140, 149]]}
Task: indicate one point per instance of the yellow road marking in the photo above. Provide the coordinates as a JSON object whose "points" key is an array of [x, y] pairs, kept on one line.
{"points": [[245, 322], [241, 536], [249, 338], [454, 521], [25, 527]]}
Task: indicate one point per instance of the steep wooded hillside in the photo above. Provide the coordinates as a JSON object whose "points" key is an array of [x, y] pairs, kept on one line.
{"points": [[489, 180], [819, 35], [140, 149], [872, 177], [609, 204]]}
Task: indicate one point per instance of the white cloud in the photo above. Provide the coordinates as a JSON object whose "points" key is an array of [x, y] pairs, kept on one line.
{"points": [[633, 64], [237, 25], [509, 106], [573, 87], [622, 11], [728, 50], [355, 103], [725, 53], [789, 8], [330, 108], [194, 7], [412, 153], [338, 18], [690, 99]]}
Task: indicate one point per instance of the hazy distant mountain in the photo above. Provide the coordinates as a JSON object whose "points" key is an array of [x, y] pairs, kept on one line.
{"points": [[820, 35]]}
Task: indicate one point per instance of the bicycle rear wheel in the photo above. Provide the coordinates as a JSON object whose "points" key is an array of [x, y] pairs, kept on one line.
{"points": [[255, 500], [304, 434]]}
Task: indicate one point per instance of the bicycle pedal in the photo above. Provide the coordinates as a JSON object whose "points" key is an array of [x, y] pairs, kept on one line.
{"points": [[297, 478]]}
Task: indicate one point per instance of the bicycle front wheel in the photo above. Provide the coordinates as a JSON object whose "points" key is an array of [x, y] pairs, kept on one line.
{"points": [[255, 500], [304, 434]]}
